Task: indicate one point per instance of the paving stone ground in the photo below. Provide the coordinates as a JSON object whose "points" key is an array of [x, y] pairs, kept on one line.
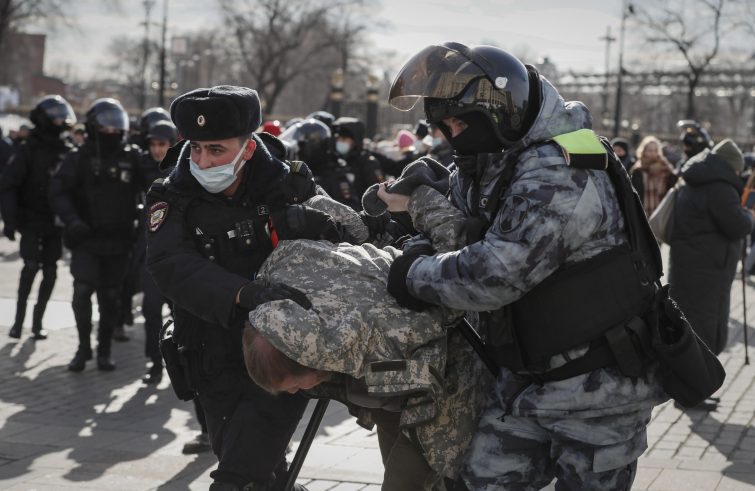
{"points": [[98, 430]]}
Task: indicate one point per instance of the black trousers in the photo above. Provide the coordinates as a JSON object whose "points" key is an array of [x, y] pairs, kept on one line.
{"points": [[104, 275], [249, 428], [38, 249]]}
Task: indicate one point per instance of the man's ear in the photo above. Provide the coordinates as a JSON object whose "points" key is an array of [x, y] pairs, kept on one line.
{"points": [[251, 146]]}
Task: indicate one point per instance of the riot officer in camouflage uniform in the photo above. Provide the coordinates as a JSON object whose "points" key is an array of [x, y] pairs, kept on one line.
{"points": [[560, 266], [211, 224], [26, 206]]}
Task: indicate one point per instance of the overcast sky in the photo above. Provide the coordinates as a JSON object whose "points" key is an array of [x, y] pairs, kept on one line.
{"points": [[569, 36]]}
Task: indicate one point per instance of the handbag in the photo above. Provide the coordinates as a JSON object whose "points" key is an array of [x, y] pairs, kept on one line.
{"points": [[662, 220], [690, 372]]}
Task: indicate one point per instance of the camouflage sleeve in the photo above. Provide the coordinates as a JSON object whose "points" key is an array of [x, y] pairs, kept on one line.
{"points": [[435, 216], [341, 213], [548, 216]]}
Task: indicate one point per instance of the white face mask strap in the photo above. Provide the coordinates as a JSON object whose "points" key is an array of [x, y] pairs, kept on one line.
{"points": [[238, 156]]}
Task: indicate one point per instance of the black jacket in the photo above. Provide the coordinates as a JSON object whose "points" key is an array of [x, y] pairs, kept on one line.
{"points": [[102, 193], [190, 254], [709, 224], [25, 182]]}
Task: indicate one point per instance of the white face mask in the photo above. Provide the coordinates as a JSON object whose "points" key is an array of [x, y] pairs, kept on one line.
{"points": [[218, 178], [343, 147]]}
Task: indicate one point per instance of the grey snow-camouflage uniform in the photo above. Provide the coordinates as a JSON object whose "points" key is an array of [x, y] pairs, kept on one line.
{"points": [[356, 328], [589, 429]]}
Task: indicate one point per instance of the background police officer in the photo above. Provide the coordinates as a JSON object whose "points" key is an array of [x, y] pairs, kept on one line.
{"points": [[560, 408], [95, 192], [212, 223], [26, 207]]}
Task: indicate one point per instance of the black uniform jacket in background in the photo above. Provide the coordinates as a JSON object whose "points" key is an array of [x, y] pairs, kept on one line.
{"points": [[25, 182], [103, 193]]}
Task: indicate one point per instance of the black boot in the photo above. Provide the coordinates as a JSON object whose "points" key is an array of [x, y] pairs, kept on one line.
{"points": [[154, 374], [105, 363], [15, 331], [49, 275], [18, 324], [80, 360], [38, 333], [28, 272]]}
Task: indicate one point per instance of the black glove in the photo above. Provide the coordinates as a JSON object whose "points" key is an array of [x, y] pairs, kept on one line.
{"points": [[397, 278], [9, 231], [375, 225], [256, 293], [303, 222], [76, 232]]}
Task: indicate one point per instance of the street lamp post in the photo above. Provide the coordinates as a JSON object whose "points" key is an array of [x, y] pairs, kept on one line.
{"points": [[372, 104], [608, 39], [161, 93], [336, 92], [148, 4], [626, 8]]}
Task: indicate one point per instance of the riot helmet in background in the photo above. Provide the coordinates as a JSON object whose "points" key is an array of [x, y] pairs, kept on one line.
{"points": [[694, 138], [488, 88], [152, 116], [163, 130], [311, 141], [107, 125], [52, 115], [322, 116]]}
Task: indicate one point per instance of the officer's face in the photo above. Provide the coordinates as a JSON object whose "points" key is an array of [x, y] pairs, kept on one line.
{"points": [[220, 152], [158, 149], [455, 126]]}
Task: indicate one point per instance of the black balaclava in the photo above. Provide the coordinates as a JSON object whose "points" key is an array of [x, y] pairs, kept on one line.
{"points": [[479, 137], [109, 143]]}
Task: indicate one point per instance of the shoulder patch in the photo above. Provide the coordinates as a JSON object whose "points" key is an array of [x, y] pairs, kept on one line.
{"points": [[158, 212], [513, 213]]}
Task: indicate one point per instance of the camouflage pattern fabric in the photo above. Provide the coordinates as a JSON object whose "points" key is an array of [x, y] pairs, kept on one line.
{"points": [[518, 454], [444, 381], [341, 213]]}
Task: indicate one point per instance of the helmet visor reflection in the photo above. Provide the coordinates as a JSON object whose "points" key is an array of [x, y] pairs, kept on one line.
{"points": [[61, 114], [437, 71], [113, 118]]}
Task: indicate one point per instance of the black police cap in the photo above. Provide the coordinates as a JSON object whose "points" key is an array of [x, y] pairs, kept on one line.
{"points": [[217, 113]]}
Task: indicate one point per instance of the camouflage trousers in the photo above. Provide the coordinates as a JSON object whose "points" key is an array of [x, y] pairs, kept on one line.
{"points": [[516, 453]]}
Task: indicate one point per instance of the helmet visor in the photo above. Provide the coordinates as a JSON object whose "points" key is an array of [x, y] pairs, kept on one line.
{"points": [[439, 72], [113, 119], [61, 114]]}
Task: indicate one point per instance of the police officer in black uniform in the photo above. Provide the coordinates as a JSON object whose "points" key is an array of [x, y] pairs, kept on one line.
{"points": [[212, 223], [95, 192], [26, 207], [348, 143]]}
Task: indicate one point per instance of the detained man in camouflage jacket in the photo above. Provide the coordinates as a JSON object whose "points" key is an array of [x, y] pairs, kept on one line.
{"points": [[536, 213], [385, 356]]}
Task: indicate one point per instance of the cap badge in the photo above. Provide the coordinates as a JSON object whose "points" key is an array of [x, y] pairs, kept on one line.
{"points": [[501, 82], [201, 120]]}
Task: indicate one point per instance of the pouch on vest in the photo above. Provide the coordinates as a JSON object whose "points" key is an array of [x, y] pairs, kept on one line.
{"points": [[175, 364], [689, 370]]}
